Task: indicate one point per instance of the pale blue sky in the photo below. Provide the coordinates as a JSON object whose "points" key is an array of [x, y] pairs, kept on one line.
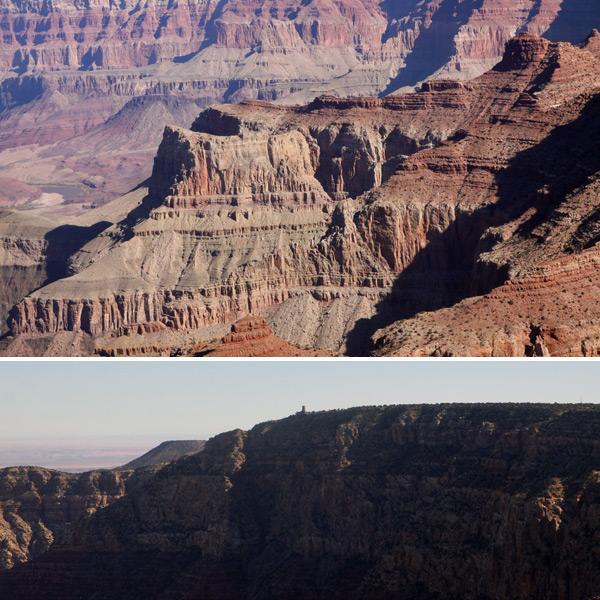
{"points": [[197, 399]]}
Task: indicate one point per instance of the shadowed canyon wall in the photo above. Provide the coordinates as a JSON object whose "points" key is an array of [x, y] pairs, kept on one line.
{"points": [[37, 504], [437, 501]]}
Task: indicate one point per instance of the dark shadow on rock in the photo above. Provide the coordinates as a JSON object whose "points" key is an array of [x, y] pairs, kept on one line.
{"points": [[63, 242], [434, 45], [446, 270], [438, 276], [19, 91], [542, 176], [575, 20], [140, 213], [185, 58], [211, 34]]}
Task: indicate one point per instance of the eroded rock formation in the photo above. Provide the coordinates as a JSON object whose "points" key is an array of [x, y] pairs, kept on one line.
{"points": [[437, 501], [252, 337], [37, 505], [335, 219], [86, 87]]}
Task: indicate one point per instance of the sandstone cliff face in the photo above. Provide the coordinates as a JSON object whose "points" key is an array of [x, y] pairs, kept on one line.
{"points": [[247, 221], [34, 251], [92, 36], [37, 505], [438, 501], [234, 233], [544, 254], [342, 216]]}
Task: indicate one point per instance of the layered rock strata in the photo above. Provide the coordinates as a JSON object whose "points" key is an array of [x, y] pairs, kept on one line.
{"points": [[342, 216], [37, 504], [438, 501], [210, 37], [252, 337], [545, 255], [82, 83], [34, 250]]}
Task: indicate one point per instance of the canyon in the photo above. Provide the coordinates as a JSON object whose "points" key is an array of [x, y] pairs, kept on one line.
{"points": [[440, 222], [482, 501], [37, 504], [86, 88]]}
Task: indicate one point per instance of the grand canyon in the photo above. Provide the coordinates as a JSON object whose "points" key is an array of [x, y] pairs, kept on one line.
{"points": [[37, 504], [300, 179], [482, 501]]}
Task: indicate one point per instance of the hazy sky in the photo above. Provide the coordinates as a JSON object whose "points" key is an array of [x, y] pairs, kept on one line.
{"points": [[197, 399]]}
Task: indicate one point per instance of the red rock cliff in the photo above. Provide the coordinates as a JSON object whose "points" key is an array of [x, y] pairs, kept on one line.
{"points": [[346, 211]]}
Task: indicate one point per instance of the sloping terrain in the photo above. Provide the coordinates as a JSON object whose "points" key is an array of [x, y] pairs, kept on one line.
{"points": [[87, 88], [251, 337], [165, 452], [442, 501], [338, 218], [35, 248]]}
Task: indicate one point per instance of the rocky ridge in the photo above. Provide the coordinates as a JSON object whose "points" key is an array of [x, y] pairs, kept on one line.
{"points": [[340, 217], [540, 266], [473, 501], [165, 453], [86, 88], [251, 337]]}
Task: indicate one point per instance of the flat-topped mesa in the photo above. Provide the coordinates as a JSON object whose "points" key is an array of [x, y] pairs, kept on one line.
{"points": [[434, 166], [488, 501], [332, 148], [522, 51], [262, 154], [329, 149], [193, 169]]}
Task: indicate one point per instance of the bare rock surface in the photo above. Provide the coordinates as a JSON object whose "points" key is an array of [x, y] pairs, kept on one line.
{"points": [[35, 250], [476, 501], [336, 219], [37, 504], [86, 88], [252, 337]]}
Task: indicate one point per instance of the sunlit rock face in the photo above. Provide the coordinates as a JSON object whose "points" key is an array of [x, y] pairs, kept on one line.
{"points": [[87, 87], [339, 218]]}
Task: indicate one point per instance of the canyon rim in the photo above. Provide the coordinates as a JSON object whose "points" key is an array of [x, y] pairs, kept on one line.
{"points": [[449, 209], [483, 499]]}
